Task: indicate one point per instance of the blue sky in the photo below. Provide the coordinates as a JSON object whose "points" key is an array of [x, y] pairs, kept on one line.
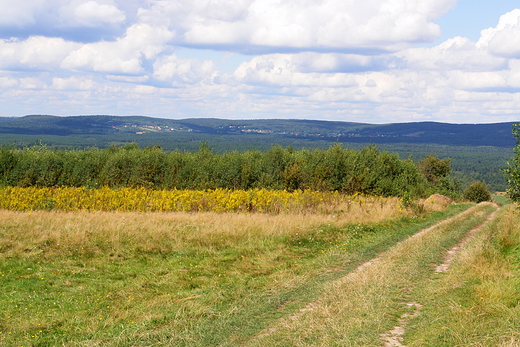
{"points": [[376, 61], [468, 17]]}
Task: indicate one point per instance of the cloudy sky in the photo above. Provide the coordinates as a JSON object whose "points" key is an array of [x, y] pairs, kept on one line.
{"points": [[375, 61]]}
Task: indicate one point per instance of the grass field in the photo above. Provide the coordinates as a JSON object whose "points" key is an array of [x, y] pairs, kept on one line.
{"points": [[476, 303], [179, 279]]}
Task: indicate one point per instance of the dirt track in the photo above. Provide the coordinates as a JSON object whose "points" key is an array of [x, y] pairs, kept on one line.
{"points": [[386, 260], [393, 338]]}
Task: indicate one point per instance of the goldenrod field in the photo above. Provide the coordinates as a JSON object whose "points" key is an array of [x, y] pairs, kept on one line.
{"points": [[218, 200]]}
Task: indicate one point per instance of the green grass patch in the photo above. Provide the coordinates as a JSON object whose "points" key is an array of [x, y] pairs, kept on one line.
{"points": [[212, 290], [501, 199]]}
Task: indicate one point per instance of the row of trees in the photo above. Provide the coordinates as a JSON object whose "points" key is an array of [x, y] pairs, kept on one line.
{"points": [[366, 171]]}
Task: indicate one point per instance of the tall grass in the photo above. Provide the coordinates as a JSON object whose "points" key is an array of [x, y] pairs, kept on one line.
{"points": [[179, 279]]}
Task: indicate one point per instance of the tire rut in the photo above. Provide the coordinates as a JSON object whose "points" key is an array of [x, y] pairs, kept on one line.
{"points": [[394, 337]]}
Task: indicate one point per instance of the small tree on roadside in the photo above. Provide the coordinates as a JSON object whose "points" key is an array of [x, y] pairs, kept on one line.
{"points": [[435, 169], [437, 172], [512, 171], [477, 192]]}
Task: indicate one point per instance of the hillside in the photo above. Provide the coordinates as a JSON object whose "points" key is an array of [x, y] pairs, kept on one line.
{"points": [[497, 134]]}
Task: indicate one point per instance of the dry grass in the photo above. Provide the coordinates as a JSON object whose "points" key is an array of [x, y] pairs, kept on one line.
{"points": [[181, 279], [50, 232], [361, 306], [436, 202]]}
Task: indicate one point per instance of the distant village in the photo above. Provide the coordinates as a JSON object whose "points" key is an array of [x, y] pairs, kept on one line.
{"points": [[236, 129]]}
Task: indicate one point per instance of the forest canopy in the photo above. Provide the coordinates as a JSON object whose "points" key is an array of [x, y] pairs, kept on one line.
{"points": [[368, 171]]}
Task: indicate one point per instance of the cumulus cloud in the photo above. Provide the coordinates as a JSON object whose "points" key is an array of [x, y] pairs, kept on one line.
{"points": [[6, 82], [513, 79], [128, 79], [37, 52], [329, 59], [504, 39], [72, 20], [125, 56], [19, 14], [92, 14], [179, 71], [477, 80], [292, 25], [292, 70], [32, 83], [73, 83], [337, 62], [458, 53]]}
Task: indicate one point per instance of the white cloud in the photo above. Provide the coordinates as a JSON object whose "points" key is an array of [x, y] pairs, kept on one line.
{"points": [[276, 25], [36, 52], [328, 59], [73, 83], [6, 82], [92, 14], [458, 53], [128, 79], [32, 83], [141, 41], [20, 14], [175, 70], [294, 70], [477, 80], [504, 39], [104, 57], [72, 20]]}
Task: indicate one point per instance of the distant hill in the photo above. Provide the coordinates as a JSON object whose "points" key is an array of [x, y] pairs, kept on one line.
{"points": [[496, 134], [478, 151]]}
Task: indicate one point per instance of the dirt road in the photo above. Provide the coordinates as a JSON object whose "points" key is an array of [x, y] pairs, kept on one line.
{"points": [[372, 305]]}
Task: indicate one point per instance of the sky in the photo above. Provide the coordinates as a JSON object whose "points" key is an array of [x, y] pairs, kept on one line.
{"points": [[369, 61]]}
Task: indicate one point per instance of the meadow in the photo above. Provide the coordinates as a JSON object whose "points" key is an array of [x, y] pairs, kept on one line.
{"points": [[101, 277], [217, 200]]}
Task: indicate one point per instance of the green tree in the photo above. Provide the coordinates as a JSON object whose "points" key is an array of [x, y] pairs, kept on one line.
{"points": [[435, 169], [512, 171], [8, 162], [438, 174]]}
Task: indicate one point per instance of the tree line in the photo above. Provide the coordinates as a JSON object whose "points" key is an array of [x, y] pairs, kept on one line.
{"points": [[368, 171]]}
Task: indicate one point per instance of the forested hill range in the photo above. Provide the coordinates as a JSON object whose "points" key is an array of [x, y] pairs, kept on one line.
{"points": [[478, 152], [497, 134]]}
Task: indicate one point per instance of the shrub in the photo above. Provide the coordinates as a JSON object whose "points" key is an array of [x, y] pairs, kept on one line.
{"points": [[477, 192]]}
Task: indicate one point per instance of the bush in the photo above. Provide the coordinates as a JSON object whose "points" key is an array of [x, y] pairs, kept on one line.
{"points": [[477, 192]]}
